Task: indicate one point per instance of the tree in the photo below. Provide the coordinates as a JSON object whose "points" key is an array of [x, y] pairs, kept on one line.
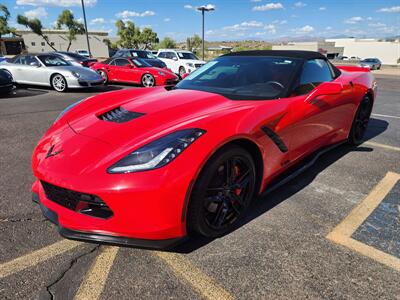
{"points": [[67, 21], [167, 43], [193, 42], [131, 36], [4, 17], [36, 26]]}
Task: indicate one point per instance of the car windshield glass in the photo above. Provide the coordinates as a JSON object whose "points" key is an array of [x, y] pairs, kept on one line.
{"points": [[140, 63], [187, 55], [369, 60], [75, 56], [53, 61], [244, 77], [141, 54]]}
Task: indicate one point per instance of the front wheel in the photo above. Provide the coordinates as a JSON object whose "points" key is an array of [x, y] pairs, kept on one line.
{"points": [[104, 75], [360, 122], [59, 83], [148, 80], [222, 193]]}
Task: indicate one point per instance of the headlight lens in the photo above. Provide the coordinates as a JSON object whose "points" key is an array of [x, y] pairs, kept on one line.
{"points": [[76, 74], [157, 153], [161, 73], [69, 107], [190, 65]]}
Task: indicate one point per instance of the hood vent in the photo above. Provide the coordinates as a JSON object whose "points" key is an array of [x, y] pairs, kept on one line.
{"points": [[119, 115]]}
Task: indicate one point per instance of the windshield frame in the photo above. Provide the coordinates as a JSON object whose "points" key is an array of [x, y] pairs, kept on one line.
{"points": [[284, 94]]}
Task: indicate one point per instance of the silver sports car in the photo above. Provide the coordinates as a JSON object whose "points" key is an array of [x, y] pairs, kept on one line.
{"points": [[50, 70]]}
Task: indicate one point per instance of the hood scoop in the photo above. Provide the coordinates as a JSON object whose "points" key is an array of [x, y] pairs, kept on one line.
{"points": [[119, 115]]}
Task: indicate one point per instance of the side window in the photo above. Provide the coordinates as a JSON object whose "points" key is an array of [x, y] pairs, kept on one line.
{"points": [[112, 63], [121, 62], [17, 60], [118, 54], [315, 72], [162, 55], [171, 55]]}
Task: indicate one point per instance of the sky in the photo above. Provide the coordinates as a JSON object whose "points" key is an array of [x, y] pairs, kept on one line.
{"points": [[231, 20]]}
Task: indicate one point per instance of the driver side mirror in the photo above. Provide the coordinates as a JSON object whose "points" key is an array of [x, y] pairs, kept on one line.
{"points": [[326, 88], [34, 64], [175, 58]]}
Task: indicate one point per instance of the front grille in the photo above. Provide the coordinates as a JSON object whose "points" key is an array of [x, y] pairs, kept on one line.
{"points": [[76, 201], [119, 115]]}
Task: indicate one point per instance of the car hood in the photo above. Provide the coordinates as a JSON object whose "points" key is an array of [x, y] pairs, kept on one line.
{"points": [[161, 112], [154, 70], [155, 62]]}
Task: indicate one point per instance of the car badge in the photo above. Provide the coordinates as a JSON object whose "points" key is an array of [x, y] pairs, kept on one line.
{"points": [[51, 153]]}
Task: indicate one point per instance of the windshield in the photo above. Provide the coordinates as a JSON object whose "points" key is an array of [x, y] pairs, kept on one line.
{"points": [[53, 61], [369, 60], [141, 54], [140, 63], [74, 55], [244, 77], [187, 55]]}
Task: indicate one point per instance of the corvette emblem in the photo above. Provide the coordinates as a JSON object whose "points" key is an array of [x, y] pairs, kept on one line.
{"points": [[51, 153]]}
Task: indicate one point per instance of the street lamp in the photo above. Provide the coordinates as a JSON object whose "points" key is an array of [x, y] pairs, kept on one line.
{"points": [[204, 8], [86, 30]]}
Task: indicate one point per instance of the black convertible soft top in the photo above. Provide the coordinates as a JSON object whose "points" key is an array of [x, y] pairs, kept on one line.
{"points": [[282, 53]]}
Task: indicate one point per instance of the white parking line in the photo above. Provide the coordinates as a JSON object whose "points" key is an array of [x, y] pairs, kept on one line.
{"points": [[95, 279], [385, 116], [383, 146], [36, 257]]}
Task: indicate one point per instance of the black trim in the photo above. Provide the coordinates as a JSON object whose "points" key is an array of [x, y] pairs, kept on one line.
{"points": [[106, 239], [281, 53], [275, 138]]}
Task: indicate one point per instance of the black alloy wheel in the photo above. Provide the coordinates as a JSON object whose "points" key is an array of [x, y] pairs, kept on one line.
{"points": [[222, 192], [360, 122]]}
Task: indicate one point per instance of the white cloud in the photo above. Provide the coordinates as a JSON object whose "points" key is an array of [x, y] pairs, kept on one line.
{"points": [[322, 8], [268, 6], [255, 0], [39, 12], [354, 20], [126, 14], [393, 9], [300, 4], [208, 6], [167, 19], [305, 29], [270, 28], [146, 26], [378, 24], [188, 6], [281, 22], [244, 26], [80, 20], [328, 28], [62, 3], [97, 21]]}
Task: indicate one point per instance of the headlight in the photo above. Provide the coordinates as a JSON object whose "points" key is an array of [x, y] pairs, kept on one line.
{"points": [[190, 65], [161, 73], [157, 153], [69, 107], [76, 74]]}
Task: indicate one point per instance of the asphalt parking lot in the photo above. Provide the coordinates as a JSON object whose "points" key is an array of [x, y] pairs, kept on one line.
{"points": [[304, 240]]}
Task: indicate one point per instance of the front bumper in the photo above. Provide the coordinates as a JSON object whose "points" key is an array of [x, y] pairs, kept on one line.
{"points": [[82, 82], [102, 238]]}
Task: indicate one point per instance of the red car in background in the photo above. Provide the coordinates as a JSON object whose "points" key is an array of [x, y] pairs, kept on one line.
{"points": [[134, 70]]}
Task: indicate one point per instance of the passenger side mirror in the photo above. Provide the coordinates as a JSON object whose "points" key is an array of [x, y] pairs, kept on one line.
{"points": [[34, 64], [325, 88], [175, 58]]}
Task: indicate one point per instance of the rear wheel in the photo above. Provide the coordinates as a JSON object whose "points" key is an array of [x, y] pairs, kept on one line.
{"points": [[222, 193], [104, 75], [148, 80], [59, 83], [360, 122]]}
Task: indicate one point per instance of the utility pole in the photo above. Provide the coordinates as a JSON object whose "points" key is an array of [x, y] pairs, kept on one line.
{"points": [[203, 9], [86, 30]]}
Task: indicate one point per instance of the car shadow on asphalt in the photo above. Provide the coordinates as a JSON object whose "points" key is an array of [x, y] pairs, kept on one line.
{"points": [[23, 90], [264, 203]]}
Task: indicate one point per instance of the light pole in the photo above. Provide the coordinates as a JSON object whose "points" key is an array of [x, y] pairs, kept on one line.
{"points": [[86, 30], [203, 9]]}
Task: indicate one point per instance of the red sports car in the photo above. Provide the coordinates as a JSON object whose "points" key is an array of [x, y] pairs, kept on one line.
{"points": [[146, 167], [134, 70]]}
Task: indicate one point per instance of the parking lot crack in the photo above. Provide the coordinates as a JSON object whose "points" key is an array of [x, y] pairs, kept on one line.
{"points": [[64, 272]]}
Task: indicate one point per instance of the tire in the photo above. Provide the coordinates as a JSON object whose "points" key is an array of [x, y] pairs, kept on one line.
{"points": [[59, 83], [9, 73], [181, 71], [215, 206], [148, 80], [360, 122], [104, 75]]}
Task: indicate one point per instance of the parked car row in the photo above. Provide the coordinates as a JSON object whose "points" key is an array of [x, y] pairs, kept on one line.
{"points": [[372, 63]]}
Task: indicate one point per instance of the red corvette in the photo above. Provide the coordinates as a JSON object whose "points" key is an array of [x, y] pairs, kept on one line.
{"points": [[146, 167], [134, 70]]}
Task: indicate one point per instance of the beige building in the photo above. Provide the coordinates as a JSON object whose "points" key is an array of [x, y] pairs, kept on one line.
{"points": [[327, 48], [57, 38]]}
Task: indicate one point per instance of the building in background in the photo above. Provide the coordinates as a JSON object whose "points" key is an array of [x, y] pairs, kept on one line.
{"points": [[11, 45], [387, 52], [35, 43], [329, 49]]}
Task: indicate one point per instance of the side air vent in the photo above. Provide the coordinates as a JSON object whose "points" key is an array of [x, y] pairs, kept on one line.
{"points": [[119, 115]]}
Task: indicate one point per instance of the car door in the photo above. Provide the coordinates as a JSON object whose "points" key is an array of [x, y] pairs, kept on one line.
{"points": [[316, 121], [29, 70], [124, 69]]}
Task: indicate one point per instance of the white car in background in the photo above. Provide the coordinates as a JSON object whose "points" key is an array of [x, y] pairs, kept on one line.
{"points": [[82, 52], [180, 61]]}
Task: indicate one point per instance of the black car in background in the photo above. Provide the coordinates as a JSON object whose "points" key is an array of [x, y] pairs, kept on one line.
{"points": [[75, 58], [6, 82], [143, 54]]}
